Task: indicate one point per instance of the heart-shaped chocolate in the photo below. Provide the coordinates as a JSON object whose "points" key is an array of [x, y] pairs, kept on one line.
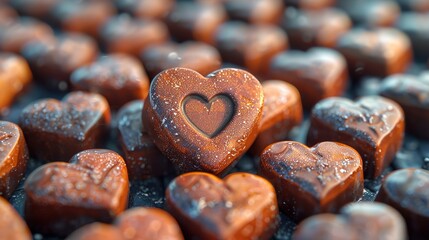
{"points": [[363, 220], [241, 206], [80, 121], [373, 125], [203, 123], [62, 197], [133, 224], [11, 224], [312, 180], [13, 157]]}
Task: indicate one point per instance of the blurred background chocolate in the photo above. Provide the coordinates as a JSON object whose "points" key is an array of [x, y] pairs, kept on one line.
{"points": [[309, 4], [254, 11], [414, 5], [152, 9], [39, 9], [415, 26], [7, 14]]}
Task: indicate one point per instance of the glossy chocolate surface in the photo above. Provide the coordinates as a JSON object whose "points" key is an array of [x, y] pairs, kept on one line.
{"points": [[62, 197], [372, 125], [203, 128], [313, 180], [76, 123], [241, 206], [12, 226]]}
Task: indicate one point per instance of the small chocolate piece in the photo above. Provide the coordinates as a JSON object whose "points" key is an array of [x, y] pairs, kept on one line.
{"points": [[241, 206], [416, 27], [62, 197], [13, 158], [255, 11], [123, 34], [412, 93], [118, 77], [82, 16], [282, 111], [192, 21], [369, 13], [363, 220], [313, 180], [380, 52], [407, 190], [53, 61], [12, 226], [16, 34], [250, 46], [7, 14], [15, 75], [197, 56], [203, 123], [310, 28], [309, 4], [373, 125], [55, 130], [142, 157], [133, 224], [34, 8], [414, 5], [148, 9], [317, 74]]}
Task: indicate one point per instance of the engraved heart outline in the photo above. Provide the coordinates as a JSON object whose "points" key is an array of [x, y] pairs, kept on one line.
{"points": [[208, 103]]}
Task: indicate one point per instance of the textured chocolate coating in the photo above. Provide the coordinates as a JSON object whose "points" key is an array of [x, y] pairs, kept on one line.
{"points": [[53, 61], [149, 9], [250, 46], [34, 8], [416, 27], [15, 75], [13, 158], [317, 74], [309, 4], [412, 93], [373, 125], [16, 34], [62, 197], [282, 111], [241, 206], [255, 11], [80, 121], [203, 123], [118, 77], [407, 190], [12, 226], [379, 52], [363, 220], [82, 16], [142, 157], [123, 34], [197, 56], [313, 180], [310, 28], [7, 14], [192, 21]]}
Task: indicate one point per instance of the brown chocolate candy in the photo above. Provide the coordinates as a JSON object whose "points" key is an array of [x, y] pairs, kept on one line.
{"points": [[152, 9], [7, 14], [53, 61], [310, 28], [55, 130], [62, 197], [373, 125], [255, 11], [407, 190], [15, 75], [363, 220], [34, 8], [13, 158], [416, 27], [203, 123], [12, 226], [250, 46], [16, 34], [191, 21], [317, 74], [118, 77], [313, 180], [197, 56], [142, 157], [414, 5], [241, 206], [123, 34], [309, 4], [133, 224], [282, 111], [412, 93], [379, 52]]}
